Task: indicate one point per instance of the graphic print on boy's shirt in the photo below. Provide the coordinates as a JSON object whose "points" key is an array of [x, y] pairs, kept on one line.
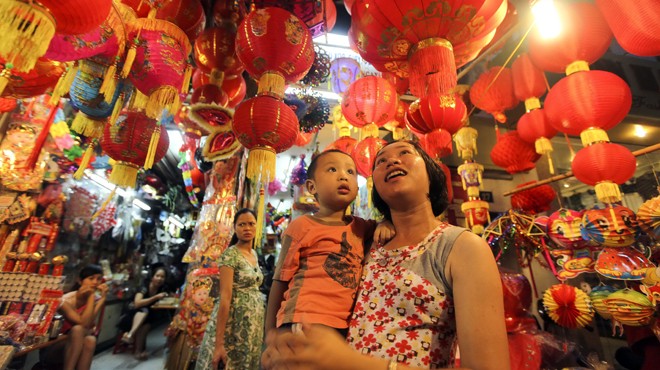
{"points": [[339, 267]]}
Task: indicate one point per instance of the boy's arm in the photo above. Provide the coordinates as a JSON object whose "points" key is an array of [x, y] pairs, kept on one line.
{"points": [[286, 264], [384, 232], [275, 299]]}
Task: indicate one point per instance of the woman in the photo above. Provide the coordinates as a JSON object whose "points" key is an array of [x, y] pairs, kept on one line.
{"points": [[234, 335], [80, 309], [140, 319], [431, 284]]}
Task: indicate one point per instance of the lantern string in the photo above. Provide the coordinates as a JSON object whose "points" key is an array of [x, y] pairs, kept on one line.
{"points": [[570, 146], [508, 59]]}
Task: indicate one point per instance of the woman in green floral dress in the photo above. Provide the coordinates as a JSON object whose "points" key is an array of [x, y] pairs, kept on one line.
{"points": [[234, 335]]}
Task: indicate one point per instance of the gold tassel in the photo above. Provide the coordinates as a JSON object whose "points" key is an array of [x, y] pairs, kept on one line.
{"points": [[85, 125], [84, 162], [138, 100], [153, 147], [261, 164], [577, 66], [63, 84], [473, 191], [152, 12], [261, 213], [130, 57], [109, 84], [593, 135], [104, 204], [186, 79], [124, 174], [370, 188], [119, 104], [544, 146], [5, 75], [615, 223], [272, 84], [369, 130], [532, 103], [165, 97], [217, 77], [608, 192]]}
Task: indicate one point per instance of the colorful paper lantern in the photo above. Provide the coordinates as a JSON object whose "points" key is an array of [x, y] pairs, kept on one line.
{"points": [[563, 228], [630, 307], [369, 103], [568, 306], [343, 72], [493, 92], [471, 177], [513, 154], [438, 112], [612, 226], [598, 295], [535, 200], [266, 126], [648, 216], [622, 263]]}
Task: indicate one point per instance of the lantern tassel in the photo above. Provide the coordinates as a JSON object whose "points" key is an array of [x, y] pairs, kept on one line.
{"points": [[119, 104], [544, 146], [532, 103], [130, 57], [84, 162], [186, 80], [432, 67], [138, 100], [109, 84], [608, 192], [370, 188], [261, 213], [124, 174], [614, 220], [272, 84], [63, 84], [261, 163], [105, 203], [153, 147], [369, 130], [5, 75], [594, 135], [85, 125], [164, 97], [41, 139]]}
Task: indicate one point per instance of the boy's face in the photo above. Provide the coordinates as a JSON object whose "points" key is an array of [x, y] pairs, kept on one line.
{"points": [[335, 180]]}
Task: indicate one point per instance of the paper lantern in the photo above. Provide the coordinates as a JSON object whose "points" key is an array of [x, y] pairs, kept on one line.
{"points": [[40, 80], [75, 17], [186, 14], [370, 102], [471, 177], [7, 104], [210, 94], [612, 226], [304, 138], [343, 72], [510, 20], [437, 143], [400, 84], [584, 38], [128, 142], [398, 125], [634, 25], [325, 19], [228, 11], [438, 112], [630, 307], [535, 200], [215, 53], [161, 61], [598, 295], [587, 99], [424, 41], [364, 154], [648, 216], [345, 143], [493, 92], [147, 8], [275, 47], [235, 88], [533, 127], [622, 263], [476, 215], [604, 165], [266, 126], [513, 154], [568, 306], [563, 228], [528, 82]]}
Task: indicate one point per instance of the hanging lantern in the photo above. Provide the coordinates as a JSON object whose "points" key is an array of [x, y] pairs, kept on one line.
{"points": [[325, 19], [466, 142], [275, 47], [369, 103], [228, 11], [186, 14], [535, 200], [533, 127], [215, 53], [422, 42], [563, 228], [635, 26], [40, 80], [513, 154], [604, 165], [584, 38], [147, 8], [210, 94], [437, 143], [128, 142], [364, 155], [266, 126], [630, 307], [7, 104], [75, 17], [568, 306], [476, 215], [648, 216], [304, 138], [339, 123], [510, 21], [400, 84], [398, 125], [471, 177], [528, 82], [345, 143], [598, 295], [622, 263], [613, 226], [235, 88], [587, 99], [343, 72], [430, 113], [493, 92]]}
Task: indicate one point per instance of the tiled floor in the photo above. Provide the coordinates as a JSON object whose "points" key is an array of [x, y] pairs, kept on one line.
{"points": [[155, 346]]}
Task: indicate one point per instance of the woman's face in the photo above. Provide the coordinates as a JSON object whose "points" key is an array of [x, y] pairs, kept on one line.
{"points": [[246, 226], [159, 278], [400, 170], [92, 281]]}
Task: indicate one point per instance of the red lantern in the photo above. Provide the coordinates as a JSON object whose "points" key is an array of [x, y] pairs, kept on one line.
{"points": [[266, 126], [275, 47], [235, 88], [400, 84], [323, 22], [528, 82], [210, 94], [585, 37], [369, 101], [304, 138], [437, 143], [128, 142], [635, 25], [533, 127], [493, 92], [476, 215], [534, 200], [215, 52], [513, 153], [398, 124], [228, 11], [437, 112], [348, 4], [186, 14], [603, 165], [510, 20], [147, 8], [345, 143], [364, 154], [7, 104], [199, 78], [75, 17], [39, 80], [422, 42], [587, 99]]}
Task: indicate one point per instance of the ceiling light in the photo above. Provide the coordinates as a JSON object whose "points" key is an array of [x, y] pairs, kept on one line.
{"points": [[546, 18], [567, 186], [640, 131]]}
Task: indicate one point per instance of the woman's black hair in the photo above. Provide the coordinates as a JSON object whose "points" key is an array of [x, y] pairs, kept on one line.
{"points": [[234, 238], [437, 192], [85, 272]]}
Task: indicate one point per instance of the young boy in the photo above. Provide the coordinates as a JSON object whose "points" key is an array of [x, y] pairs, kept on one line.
{"points": [[320, 265]]}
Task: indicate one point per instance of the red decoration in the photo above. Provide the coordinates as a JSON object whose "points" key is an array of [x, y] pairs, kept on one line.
{"points": [[400, 84], [266, 126], [364, 154], [348, 4], [444, 112], [568, 306], [585, 36], [74, 17], [304, 138], [215, 52], [494, 95], [476, 215], [128, 141], [517, 297], [635, 25], [369, 100], [510, 20], [319, 23], [39, 80], [528, 81], [513, 153], [187, 14], [587, 99], [210, 94], [534, 127], [422, 41], [535, 200], [7, 104], [602, 163], [437, 143], [345, 143], [235, 88]]}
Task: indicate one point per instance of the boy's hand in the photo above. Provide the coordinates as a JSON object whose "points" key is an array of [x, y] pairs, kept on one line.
{"points": [[384, 232]]}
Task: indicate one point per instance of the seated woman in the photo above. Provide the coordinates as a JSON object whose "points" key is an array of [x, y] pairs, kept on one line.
{"points": [[138, 321], [80, 308]]}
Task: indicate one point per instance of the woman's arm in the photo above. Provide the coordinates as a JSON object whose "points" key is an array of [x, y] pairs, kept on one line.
{"points": [[98, 305], [226, 291], [478, 302], [139, 301]]}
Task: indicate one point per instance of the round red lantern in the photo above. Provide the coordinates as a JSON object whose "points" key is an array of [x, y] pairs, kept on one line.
{"points": [[533, 127], [584, 38], [437, 112], [275, 47], [199, 78], [235, 88], [7, 104], [513, 153], [534, 200], [345, 143], [304, 138], [370, 101], [215, 52], [493, 92], [210, 94], [528, 82], [437, 143], [634, 24], [128, 142], [75, 17], [587, 99], [400, 84], [398, 124], [187, 14], [39, 80], [364, 154], [603, 165], [266, 126]]}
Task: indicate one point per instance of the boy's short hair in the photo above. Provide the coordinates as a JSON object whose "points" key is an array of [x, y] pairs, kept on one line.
{"points": [[311, 170]]}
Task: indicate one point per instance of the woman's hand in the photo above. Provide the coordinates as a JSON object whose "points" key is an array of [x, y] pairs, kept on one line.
{"points": [[161, 295], [103, 290], [220, 354]]}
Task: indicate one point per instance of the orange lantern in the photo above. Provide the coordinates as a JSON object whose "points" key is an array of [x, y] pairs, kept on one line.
{"points": [[345, 143], [476, 215], [493, 92], [39, 80]]}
